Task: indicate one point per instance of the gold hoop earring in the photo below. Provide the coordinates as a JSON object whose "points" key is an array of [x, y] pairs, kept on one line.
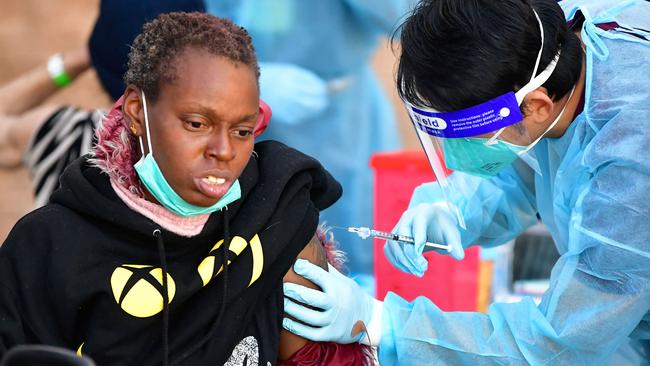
{"points": [[133, 130]]}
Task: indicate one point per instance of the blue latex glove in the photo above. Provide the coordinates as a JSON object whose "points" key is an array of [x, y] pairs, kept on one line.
{"points": [[294, 93], [433, 222], [342, 301]]}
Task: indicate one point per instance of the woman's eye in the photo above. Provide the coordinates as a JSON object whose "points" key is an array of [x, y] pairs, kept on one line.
{"points": [[194, 124], [244, 133]]}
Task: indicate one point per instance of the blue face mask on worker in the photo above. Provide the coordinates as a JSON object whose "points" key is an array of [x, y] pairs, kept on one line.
{"points": [[455, 132], [153, 179]]}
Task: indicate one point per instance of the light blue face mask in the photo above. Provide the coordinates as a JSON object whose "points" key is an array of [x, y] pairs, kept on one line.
{"points": [[475, 156], [153, 179]]}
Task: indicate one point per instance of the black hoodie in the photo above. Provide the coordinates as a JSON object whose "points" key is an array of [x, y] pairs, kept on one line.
{"points": [[85, 272]]}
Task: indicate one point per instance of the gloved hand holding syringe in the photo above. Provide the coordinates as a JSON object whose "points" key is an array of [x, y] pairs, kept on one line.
{"points": [[365, 233]]}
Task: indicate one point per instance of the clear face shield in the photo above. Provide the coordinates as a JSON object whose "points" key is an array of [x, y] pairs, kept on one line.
{"points": [[483, 139]]}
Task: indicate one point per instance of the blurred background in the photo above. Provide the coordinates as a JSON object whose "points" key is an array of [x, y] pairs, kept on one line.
{"points": [[32, 30]]}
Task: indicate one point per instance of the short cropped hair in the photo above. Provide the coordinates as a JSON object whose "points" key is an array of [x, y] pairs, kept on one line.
{"points": [[459, 53], [154, 51]]}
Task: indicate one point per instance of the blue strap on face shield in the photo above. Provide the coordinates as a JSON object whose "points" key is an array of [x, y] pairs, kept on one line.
{"points": [[487, 117]]}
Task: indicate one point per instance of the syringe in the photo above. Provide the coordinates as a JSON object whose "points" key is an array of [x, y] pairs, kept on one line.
{"points": [[365, 232]]}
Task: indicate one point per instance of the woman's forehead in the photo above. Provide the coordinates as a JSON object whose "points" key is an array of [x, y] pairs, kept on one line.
{"points": [[207, 79], [199, 61]]}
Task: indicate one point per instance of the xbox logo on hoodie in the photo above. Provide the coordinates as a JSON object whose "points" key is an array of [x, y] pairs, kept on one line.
{"points": [[138, 289]]}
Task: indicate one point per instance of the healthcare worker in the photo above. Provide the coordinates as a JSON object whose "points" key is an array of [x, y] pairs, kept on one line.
{"points": [[327, 102], [537, 118]]}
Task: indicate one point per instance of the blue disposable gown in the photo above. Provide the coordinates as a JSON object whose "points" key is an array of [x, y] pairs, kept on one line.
{"points": [[335, 39], [593, 194]]}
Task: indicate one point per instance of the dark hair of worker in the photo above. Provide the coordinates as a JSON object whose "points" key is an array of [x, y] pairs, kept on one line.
{"points": [[456, 54]]}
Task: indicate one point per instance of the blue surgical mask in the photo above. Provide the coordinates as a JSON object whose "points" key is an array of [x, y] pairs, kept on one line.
{"points": [[153, 179]]}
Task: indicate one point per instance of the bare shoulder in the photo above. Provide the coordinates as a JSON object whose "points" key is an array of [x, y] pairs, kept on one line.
{"points": [[313, 252]]}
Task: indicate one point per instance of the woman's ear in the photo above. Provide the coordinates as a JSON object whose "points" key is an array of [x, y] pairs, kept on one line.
{"points": [[132, 109]]}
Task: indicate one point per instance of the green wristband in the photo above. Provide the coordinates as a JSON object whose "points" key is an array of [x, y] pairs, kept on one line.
{"points": [[62, 79]]}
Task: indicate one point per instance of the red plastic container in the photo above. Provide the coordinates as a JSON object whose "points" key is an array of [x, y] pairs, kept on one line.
{"points": [[450, 284]]}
